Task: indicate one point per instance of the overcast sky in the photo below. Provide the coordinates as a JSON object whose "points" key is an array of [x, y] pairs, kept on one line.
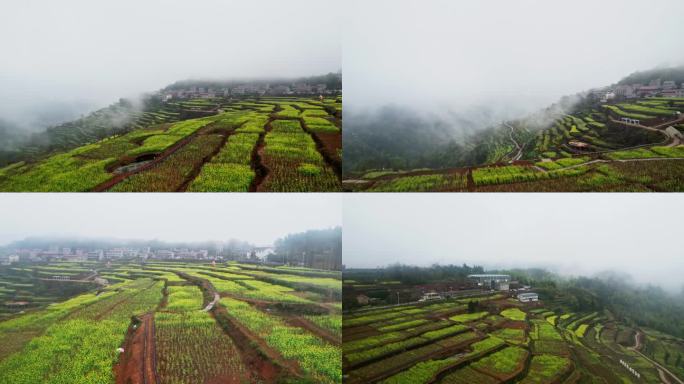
{"points": [[528, 53], [98, 51], [584, 234], [257, 218]]}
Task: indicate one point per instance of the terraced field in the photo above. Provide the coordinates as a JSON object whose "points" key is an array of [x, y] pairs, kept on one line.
{"points": [[500, 341], [181, 323], [635, 146], [267, 144]]}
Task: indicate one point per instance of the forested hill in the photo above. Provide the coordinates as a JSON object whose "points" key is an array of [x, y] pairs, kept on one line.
{"points": [[675, 74], [120, 117], [117, 118], [331, 80], [646, 306]]}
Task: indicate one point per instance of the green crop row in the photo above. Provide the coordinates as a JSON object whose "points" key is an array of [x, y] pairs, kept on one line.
{"points": [[514, 314], [173, 171], [503, 363], [183, 356], [294, 163], [435, 182], [230, 170], [316, 357], [468, 317], [319, 124], [90, 336], [545, 368], [184, 298]]}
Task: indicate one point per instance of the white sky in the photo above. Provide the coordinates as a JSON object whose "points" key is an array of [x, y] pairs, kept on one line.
{"points": [[639, 234], [257, 218], [101, 50], [527, 53]]}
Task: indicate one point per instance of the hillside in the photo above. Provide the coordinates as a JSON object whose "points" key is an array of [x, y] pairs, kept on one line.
{"points": [[16, 144], [587, 143], [572, 334], [215, 142], [170, 322], [644, 77]]}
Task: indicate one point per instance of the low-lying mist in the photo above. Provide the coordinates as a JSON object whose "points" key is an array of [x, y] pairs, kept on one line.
{"points": [[584, 235], [63, 60], [410, 137], [451, 70]]}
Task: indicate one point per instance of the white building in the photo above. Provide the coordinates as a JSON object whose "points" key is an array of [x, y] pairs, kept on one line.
{"points": [[115, 253], [165, 254], [487, 281], [626, 91], [669, 84], [430, 296], [96, 255], [527, 297]]}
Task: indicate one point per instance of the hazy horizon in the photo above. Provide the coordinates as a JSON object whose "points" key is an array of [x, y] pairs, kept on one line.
{"points": [[512, 58], [585, 235], [256, 218], [77, 55]]}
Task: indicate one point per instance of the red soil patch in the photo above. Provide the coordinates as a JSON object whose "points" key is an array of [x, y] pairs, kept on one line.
{"points": [[331, 143], [137, 365], [514, 324], [260, 169], [360, 332]]}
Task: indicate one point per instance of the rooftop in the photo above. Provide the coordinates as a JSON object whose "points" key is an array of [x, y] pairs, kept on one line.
{"points": [[486, 276]]}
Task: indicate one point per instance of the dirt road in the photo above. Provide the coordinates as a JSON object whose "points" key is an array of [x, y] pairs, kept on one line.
{"points": [[665, 374], [519, 148], [137, 364]]}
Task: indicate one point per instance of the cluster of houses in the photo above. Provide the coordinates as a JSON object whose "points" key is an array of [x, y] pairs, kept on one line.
{"points": [[476, 283], [248, 89], [655, 88], [56, 253]]}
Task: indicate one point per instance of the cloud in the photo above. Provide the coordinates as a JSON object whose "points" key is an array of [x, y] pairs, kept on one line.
{"points": [[520, 55], [573, 234], [257, 218], [80, 51]]}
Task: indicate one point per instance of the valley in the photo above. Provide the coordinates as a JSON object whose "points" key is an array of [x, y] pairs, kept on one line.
{"points": [[171, 322]]}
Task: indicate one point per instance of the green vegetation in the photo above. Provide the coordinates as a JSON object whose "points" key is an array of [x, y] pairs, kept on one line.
{"points": [[514, 314], [503, 363], [564, 154], [209, 154], [544, 368], [574, 332], [230, 170], [295, 164], [172, 173], [91, 326], [91, 334], [421, 183], [315, 356], [181, 337]]}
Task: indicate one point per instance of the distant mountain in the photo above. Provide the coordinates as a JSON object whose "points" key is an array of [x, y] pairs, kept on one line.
{"points": [[675, 74], [19, 144], [331, 80]]}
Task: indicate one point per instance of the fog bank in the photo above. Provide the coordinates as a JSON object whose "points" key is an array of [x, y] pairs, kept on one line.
{"points": [[87, 54], [519, 55], [585, 235], [256, 218]]}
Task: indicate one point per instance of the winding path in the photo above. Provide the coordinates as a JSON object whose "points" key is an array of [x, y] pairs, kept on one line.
{"points": [[518, 147], [210, 306], [661, 370]]}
